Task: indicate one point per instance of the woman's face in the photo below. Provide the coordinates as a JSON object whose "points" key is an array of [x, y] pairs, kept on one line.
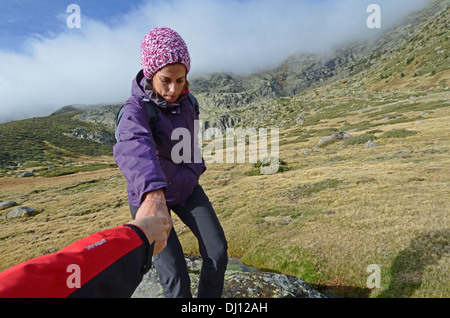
{"points": [[170, 81]]}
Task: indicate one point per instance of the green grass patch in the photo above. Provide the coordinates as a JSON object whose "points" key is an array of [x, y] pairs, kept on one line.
{"points": [[357, 140], [398, 133], [293, 261], [61, 171]]}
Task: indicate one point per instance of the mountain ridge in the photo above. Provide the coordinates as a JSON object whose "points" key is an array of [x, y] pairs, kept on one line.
{"points": [[301, 72], [409, 58]]}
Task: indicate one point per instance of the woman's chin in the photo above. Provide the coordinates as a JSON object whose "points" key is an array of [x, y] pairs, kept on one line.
{"points": [[170, 99]]}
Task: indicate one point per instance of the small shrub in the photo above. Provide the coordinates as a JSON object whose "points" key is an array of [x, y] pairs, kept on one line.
{"points": [[359, 140], [398, 133]]}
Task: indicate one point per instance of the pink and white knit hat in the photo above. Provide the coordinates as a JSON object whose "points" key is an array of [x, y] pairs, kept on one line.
{"points": [[161, 47]]}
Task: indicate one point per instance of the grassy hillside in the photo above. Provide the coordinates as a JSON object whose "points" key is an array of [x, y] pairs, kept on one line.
{"points": [[44, 139]]}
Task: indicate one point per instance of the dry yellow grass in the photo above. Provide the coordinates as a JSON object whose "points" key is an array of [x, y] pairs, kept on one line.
{"points": [[388, 198], [338, 210]]}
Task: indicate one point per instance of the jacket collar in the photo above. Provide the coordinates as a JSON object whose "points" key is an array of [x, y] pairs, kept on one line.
{"points": [[147, 87]]}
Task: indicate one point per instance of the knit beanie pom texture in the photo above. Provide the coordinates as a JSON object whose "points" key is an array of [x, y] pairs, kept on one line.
{"points": [[161, 47]]}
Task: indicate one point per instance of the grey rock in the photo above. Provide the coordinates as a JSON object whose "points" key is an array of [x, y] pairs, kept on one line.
{"points": [[341, 135], [20, 212], [7, 204], [26, 174], [266, 285], [370, 144], [241, 283]]}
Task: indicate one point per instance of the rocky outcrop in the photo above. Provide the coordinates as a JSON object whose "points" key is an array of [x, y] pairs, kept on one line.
{"points": [[98, 136], [240, 282], [103, 114], [266, 285]]}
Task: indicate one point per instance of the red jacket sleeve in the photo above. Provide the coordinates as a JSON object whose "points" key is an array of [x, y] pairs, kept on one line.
{"points": [[106, 264]]}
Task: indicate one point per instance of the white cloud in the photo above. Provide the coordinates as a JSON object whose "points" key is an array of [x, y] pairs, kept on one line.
{"points": [[96, 63]]}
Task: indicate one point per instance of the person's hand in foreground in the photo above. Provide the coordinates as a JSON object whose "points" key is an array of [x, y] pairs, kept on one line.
{"points": [[156, 228]]}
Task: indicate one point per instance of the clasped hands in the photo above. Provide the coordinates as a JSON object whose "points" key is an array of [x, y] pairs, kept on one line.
{"points": [[154, 219]]}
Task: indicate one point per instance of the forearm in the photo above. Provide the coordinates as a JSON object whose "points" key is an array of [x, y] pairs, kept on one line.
{"points": [[106, 264]]}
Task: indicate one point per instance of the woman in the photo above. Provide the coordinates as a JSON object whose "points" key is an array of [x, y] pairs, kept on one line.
{"points": [[156, 184]]}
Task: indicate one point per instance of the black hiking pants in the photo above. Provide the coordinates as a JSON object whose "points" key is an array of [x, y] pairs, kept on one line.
{"points": [[199, 215]]}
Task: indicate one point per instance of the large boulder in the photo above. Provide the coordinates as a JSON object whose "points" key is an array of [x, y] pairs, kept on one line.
{"points": [[240, 282]]}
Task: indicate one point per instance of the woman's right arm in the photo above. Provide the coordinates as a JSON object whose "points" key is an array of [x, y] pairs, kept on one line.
{"points": [[135, 153]]}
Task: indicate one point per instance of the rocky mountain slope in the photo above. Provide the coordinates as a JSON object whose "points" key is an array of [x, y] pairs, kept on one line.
{"points": [[407, 53], [225, 98]]}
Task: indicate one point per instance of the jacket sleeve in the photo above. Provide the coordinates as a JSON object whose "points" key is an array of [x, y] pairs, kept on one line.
{"points": [[106, 264], [135, 153]]}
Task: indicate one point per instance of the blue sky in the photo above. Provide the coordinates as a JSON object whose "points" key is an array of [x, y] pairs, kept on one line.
{"points": [[21, 19], [45, 65]]}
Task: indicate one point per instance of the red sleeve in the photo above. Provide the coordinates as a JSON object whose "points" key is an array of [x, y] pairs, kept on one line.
{"points": [[79, 269]]}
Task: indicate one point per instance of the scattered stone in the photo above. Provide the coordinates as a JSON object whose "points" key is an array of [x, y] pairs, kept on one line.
{"points": [[49, 251], [341, 135], [26, 174], [20, 212], [7, 204], [370, 144]]}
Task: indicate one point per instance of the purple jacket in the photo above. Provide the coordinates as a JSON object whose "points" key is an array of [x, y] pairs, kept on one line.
{"points": [[145, 159]]}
